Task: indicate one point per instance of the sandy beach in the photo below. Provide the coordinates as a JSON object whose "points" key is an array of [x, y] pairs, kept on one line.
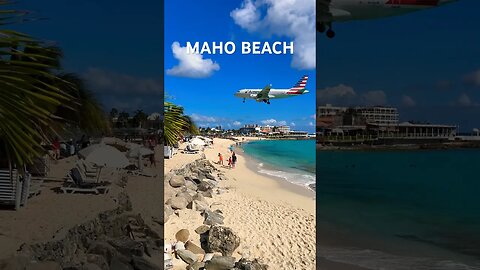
{"points": [[49, 215], [274, 219]]}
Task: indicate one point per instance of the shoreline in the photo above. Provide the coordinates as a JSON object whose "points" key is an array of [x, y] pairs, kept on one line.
{"points": [[275, 224], [252, 163]]}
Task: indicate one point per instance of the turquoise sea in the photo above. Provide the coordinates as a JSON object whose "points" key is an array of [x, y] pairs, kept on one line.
{"points": [[411, 209], [291, 160]]}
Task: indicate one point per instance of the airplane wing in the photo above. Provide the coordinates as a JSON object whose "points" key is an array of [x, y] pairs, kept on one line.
{"points": [[323, 11], [264, 93]]}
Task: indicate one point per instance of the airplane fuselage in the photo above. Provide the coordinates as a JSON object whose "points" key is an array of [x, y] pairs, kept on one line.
{"points": [[273, 94], [346, 10]]}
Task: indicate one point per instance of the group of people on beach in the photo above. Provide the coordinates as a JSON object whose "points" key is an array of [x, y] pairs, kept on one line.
{"points": [[231, 160]]}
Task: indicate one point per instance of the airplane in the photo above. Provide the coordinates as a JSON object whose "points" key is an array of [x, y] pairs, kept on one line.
{"points": [[329, 11], [267, 93]]}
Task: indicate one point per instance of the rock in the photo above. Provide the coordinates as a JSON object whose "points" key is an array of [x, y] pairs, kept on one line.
{"points": [[202, 229], [177, 181], [209, 176], [222, 239], [190, 185], [194, 248], [140, 263], [196, 266], [177, 203], [220, 263], [213, 218], [205, 185], [187, 256], [127, 246], [199, 197], [46, 265], [183, 235], [201, 206], [104, 249], [208, 193], [167, 212], [179, 246], [98, 260], [185, 195], [244, 264], [90, 266], [117, 264]]}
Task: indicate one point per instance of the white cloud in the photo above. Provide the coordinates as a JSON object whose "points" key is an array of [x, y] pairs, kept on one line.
{"points": [[203, 118], [374, 98], [408, 101], [464, 100], [282, 123], [292, 124], [311, 124], [191, 65], [104, 81], [269, 121], [291, 18], [313, 116], [473, 78], [237, 123], [336, 94]]}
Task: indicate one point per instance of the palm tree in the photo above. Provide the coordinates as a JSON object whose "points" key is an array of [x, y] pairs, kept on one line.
{"points": [[176, 124], [29, 95]]}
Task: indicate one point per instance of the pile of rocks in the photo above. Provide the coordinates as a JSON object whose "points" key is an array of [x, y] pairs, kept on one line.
{"points": [[217, 246], [116, 239], [190, 186]]}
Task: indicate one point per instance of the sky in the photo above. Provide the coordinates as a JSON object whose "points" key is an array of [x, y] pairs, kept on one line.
{"points": [[116, 46], [425, 63], [205, 84]]}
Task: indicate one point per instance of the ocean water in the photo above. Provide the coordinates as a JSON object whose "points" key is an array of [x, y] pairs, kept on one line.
{"points": [[291, 160], [424, 205]]}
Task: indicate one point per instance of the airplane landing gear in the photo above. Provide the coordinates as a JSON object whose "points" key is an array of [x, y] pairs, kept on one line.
{"points": [[244, 100], [322, 28], [266, 101]]}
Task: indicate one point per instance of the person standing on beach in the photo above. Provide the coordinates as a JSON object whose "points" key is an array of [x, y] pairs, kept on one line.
{"points": [[220, 159], [234, 160], [230, 162], [56, 148]]}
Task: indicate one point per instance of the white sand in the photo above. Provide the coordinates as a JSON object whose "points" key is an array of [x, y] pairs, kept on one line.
{"points": [[274, 219], [49, 215]]}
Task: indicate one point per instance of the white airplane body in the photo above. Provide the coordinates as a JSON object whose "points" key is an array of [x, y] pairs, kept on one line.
{"points": [[267, 93], [329, 11]]}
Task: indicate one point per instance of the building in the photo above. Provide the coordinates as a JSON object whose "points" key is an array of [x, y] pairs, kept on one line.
{"points": [[357, 115], [282, 129]]}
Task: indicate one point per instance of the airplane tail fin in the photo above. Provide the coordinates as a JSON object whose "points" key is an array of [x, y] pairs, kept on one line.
{"points": [[300, 85]]}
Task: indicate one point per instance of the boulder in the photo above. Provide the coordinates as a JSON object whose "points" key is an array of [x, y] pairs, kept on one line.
{"points": [[98, 260], [202, 229], [140, 263], [104, 249], [117, 264], [244, 264], [208, 193], [190, 185], [201, 206], [213, 218], [199, 197], [177, 203], [177, 181], [222, 239], [220, 263], [167, 212], [187, 256], [127, 246], [196, 266], [185, 195], [183, 235], [205, 185], [194, 248]]}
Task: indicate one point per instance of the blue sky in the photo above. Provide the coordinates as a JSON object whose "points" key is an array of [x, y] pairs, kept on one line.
{"points": [[210, 99], [426, 63], [115, 45]]}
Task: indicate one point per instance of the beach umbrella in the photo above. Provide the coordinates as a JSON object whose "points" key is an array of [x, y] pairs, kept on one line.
{"points": [[132, 146], [139, 152], [197, 141], [87, 150], [105, 156]]}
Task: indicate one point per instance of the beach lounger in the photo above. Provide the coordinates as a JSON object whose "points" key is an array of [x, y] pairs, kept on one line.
{"points": [[13, 188], [89, 169], [190, 149], [78, 184]]}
